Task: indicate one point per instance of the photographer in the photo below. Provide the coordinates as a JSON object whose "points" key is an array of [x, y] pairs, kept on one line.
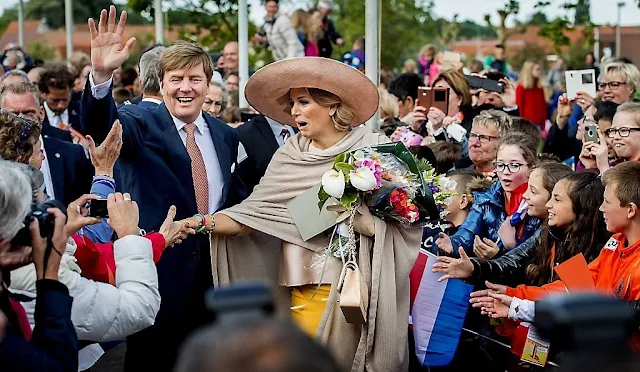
{"points": [[102, 312], [53, 344], [279, 33]]}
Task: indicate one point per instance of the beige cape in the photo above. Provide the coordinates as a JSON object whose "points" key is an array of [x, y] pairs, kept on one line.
{"points": [[385, 262]]}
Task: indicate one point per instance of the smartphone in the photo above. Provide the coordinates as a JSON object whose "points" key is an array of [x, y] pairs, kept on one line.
{"points": [[476, 82], [241, 301], [591, 134], [98, 208], [434, 97], [580, 81]]}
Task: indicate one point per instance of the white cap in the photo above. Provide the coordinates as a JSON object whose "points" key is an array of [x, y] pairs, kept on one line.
{"points": [[217, 78]]}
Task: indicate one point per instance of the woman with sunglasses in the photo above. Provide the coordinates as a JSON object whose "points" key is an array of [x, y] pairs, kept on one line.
{"points": [[498, 220]]}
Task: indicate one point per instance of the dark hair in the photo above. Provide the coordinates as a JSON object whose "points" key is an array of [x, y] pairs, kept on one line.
{"points": [[524, 126], [446, 154], [55, 76], [458, 84], [552, 173], [424, 152], [587, 234], [129, 76], [406, 85], [501, 46], [234, 73], [120, 95], [605, 110], [254, 346], [494, 75]]}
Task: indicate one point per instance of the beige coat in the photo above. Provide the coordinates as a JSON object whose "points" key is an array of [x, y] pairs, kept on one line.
{"points": [[385, 261]]}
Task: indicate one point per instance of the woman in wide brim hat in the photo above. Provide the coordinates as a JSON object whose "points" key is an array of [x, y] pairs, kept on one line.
{"points": [[257, 239]]}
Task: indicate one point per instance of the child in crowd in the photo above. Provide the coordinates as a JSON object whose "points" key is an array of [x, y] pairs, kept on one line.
{"points": [[467, 183], [497, 218], [614, 271]]}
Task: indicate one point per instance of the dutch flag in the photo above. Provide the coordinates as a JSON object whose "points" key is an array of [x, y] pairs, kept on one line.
{"points": [[437, 312]]}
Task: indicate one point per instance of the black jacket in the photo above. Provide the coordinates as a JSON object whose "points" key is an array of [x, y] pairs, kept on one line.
{"points": [[54, 344], [49, 131], [71, 171], [260, 144], [508, 268]]}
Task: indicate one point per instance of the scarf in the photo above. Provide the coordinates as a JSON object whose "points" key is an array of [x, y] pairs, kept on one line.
{"points": [[384, 261]]}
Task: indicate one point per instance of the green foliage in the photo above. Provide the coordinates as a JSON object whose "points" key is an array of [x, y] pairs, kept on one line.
{"points": [[470, 29], [9, 15], [530, 52], [402, 22], [538, 18], [53, 10], [41, 50], [582, 14]]}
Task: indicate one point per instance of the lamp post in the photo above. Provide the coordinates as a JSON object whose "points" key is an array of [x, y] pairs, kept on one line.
{"points": [[21, 24], [618, 37], [243, 49], [68, 22], [372, 48], [159, 21]]}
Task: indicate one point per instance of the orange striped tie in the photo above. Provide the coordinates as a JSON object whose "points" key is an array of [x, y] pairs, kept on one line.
{"points": [[198, 170]]}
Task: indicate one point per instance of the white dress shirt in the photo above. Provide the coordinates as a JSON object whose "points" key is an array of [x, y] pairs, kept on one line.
{"points": [[276, 128], [203, 140], [46, 171], [54, 118], [156, 101]]}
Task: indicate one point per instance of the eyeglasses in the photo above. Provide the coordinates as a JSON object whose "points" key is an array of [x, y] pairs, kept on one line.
{"points": [[612, 84], [482, 138], [623, 132], [513, 167]]}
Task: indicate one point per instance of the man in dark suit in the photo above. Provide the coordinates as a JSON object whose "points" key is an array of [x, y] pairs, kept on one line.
{"points": [[259, 138], [66, 169], [173, 155], [47, 131], [56, 85]]}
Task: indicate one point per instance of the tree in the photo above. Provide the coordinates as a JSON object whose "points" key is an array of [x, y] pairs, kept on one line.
{"points": [[583, 12], [511, 8], [406, 26], [470, 29], [53, 11], [538, 18]]}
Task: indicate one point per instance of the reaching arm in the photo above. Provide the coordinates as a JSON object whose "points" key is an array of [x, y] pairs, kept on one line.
{"points": [[472, 226]]}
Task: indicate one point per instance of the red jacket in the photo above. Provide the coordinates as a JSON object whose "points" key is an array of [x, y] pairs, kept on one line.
{"points": [[98, 262], [532, 104]]}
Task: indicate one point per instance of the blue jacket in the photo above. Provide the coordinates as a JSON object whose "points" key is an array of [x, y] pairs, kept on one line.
{"points": [[54, 344], [485, 218]]}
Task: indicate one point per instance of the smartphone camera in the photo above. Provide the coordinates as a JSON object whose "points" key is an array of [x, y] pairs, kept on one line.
{"points": [[587, 78], [98, 208], [591, 134]]}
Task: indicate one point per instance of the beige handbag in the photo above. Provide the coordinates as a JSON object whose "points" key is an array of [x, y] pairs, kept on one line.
{"points": [[353, 294]]}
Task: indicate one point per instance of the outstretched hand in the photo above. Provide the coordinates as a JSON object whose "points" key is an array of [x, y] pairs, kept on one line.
{"points": [[104, 156], [107, 52]]}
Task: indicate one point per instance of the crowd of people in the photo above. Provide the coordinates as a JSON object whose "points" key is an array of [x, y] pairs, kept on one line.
{"points": [[197, 194]]}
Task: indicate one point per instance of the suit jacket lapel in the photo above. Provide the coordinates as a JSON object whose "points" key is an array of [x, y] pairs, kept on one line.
{"points": [[176, 151], [268, 134], [56, 169], [223, 152]]}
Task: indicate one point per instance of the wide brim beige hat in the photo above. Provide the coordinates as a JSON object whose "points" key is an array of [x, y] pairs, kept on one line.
{"points": [[268, 89]]}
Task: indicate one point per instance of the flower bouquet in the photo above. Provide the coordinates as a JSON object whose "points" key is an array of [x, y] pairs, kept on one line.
{"points": [[390, 181]]}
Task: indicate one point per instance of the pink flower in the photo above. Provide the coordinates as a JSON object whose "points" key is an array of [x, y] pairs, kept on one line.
{"points": [[374, 166]]}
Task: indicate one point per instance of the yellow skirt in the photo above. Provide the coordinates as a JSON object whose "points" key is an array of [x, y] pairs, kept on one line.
{"points": [[306, 312]]}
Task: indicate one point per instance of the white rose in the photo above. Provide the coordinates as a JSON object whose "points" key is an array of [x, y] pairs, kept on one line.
{"points": [[333, 183], [343, 230], [363, 179]]}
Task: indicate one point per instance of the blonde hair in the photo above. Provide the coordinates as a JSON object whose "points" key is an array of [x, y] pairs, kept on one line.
{"points": [[428, 48], [185, 55], [632, 108], [388, 104], [629, 72], [526, 79], [344, 115], [311, 26], [410, 65], [497, 118]]}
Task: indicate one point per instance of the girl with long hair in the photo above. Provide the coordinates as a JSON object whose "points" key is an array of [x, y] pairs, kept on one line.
{"points": [[530, 94]]}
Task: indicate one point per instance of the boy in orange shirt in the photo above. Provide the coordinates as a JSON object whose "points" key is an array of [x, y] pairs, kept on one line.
{"points": [[617, 269]]}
